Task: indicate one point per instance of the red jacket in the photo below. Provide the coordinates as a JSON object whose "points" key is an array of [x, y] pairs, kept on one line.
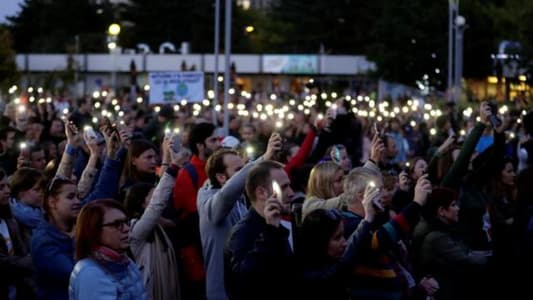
{"points": [[184, 192], [301, 156], [184, 196]]}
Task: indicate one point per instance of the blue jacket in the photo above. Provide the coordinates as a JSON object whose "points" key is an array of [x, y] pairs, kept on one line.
{"points": [[107, 183], [91, 280], [53, 257], [25, 214]]}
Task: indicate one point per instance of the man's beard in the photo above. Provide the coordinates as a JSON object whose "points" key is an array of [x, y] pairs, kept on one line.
{"points": [[208, 152]]}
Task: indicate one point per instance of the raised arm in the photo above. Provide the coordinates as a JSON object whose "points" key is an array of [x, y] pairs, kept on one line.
{"points": [[301, 156], [88, 176], [149, 219], [67, 160], [460, 165], [107, 184]]}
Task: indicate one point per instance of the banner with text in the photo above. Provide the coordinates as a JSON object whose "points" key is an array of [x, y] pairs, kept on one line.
{"points": [[169, 87], [290, 64]]}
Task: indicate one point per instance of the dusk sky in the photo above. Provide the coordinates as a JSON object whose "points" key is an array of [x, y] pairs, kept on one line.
{"points": [[8, 8]]}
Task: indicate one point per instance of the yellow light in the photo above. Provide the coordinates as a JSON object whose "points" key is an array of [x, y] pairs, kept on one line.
{"points": [[104, 93], [205, 102], [492, 79], [157, 109], [97, 105], [112, 45], [433, 131], [279, 124], [522, 78], [183, 102], [250, 29], [146, 87], [96, 94], [139, 100], [462, 132], [210, 94], [114, 29], [22, 109]]}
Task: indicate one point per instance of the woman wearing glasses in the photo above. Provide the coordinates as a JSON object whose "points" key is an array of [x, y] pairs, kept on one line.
{"points": [[104, 271]]}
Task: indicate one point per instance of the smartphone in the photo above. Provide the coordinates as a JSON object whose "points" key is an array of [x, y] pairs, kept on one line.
{"points": [[377, 200], [494, 120], [176, 142], [378, 133], [337, 154], [89, 132], [406, 167], [276, 188]]}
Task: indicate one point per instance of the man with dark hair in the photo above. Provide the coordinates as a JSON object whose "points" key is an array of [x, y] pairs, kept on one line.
{"points": [[191, 177], [258, 256], [221, 204], [8, 158], [15, 262], [37, 159], [82, 115]]}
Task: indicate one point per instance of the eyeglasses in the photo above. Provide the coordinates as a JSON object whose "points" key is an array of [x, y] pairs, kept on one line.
{"points": [[119, 224]]}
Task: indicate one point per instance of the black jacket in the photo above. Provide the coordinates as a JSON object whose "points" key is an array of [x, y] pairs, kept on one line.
{"points": [[16, 269], [258, 261]]}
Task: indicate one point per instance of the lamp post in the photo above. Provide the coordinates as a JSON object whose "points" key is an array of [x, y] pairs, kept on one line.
{"points": [[456, 26], [112, 38], [452, 14], [227, 53], [460, 23]]}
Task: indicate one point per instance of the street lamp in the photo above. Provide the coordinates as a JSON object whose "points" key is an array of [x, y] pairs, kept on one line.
{"points": [[112, 43]]}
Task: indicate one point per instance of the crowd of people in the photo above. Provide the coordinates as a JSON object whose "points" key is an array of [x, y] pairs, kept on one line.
{"points": [[300, 199]]}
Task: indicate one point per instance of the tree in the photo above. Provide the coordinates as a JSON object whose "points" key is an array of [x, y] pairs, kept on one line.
{"points": [[46, 26], [9, 74]]}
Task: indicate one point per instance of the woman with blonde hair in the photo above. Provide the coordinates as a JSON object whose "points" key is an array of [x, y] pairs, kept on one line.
{"points": [[324, 187]]}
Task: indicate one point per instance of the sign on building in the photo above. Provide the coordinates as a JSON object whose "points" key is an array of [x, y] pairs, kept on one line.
{"points": [[171, 87]]}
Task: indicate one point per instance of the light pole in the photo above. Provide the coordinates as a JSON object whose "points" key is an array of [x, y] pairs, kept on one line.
{"points": [[460, 23], [112, 38], [453, 7], [215, 72], [227, 53], [456, 26]]}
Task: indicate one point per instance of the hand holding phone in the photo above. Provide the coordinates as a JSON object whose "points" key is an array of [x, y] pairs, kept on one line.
{"points": [[276, 190], [376, 200]]}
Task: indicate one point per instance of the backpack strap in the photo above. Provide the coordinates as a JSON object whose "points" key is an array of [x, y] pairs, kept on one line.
{"points": [[192, 172]]}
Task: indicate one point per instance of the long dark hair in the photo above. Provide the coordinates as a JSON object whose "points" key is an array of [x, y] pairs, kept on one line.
{"points": [[317, 229], [136, 149], [134, 199]]}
